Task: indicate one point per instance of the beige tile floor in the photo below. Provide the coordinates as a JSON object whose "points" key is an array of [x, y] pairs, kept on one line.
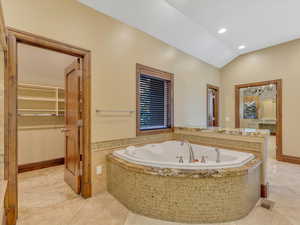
{"points": [[46, 200]]}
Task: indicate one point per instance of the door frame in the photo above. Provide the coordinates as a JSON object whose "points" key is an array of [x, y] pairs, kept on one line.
{"points": [[217, 89], [279, 152], [3, 31], [14, 37]]}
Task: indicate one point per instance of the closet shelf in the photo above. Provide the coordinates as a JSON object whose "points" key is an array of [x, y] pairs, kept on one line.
{"points": [[38, 110], [40, 127], [39, 87], [41, 99]]}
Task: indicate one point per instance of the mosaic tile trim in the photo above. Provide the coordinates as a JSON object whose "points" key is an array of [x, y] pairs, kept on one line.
{"points": [[145, 139], [185, 199]]}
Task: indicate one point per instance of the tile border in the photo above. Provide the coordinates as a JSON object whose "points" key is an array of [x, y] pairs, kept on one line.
{"points": [[140, 140]]}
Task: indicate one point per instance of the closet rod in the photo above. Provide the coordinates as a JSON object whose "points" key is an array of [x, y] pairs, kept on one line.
{"points": [[39, 115]]}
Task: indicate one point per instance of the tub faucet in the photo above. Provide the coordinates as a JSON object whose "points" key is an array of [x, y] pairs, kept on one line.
{"points": [[191, 151], [180, 159], [203, 159], [218, 160]]}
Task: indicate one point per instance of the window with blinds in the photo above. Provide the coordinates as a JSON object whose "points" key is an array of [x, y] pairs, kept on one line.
{"points": [[155, 106], [154, 103]]}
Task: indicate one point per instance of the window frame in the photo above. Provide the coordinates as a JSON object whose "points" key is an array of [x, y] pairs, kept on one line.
{"points": [[146, 70]]}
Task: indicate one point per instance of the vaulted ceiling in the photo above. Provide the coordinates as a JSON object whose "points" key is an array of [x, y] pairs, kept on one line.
{"points": [[192, 25]]}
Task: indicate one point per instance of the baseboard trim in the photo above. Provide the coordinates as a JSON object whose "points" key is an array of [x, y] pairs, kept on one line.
{"points": [[264, 190], [40, 165], [289, 159]]}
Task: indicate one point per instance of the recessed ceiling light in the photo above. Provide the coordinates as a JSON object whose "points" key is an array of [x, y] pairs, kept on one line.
{"points": [[241, 47], [222, 30]]}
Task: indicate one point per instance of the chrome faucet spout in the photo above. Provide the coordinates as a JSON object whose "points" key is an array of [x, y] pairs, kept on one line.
{"points": [[191, 151]]}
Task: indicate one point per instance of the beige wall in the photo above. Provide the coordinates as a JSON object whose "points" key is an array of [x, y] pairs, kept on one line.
{"points": [[38, 145], [116, 48], [278, 62], [42, 66]]}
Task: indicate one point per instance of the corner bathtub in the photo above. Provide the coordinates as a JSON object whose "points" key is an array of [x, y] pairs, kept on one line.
{"points": [[166, 155], [150, 181]]}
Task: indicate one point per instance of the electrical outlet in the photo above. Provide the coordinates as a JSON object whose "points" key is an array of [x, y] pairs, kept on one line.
{"points": [[99, 170]]}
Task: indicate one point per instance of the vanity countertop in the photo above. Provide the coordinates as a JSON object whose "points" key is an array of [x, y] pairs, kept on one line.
{"points": [[248, 132]]}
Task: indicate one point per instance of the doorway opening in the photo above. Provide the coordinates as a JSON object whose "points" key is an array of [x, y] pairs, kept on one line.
{"points": [[212, 106], [47, 115], [259, 106]]}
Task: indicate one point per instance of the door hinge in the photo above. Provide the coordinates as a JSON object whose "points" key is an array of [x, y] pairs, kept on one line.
{"points": [[79, 123]]}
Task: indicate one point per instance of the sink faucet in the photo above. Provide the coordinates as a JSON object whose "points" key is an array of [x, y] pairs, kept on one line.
{"points": [[218, 160], [191, 151]]}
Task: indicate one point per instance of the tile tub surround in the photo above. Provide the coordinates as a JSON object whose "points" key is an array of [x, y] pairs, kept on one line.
{"points": [[187, 196], [254, 144]]}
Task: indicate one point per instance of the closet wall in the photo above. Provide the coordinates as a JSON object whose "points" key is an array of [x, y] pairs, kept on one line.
{"points": [[40, 104]]}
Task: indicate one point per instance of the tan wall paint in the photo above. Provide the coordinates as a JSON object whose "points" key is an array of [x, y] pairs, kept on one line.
{"points": [[278, 62], [42, 66], [40, 145], [116, 48]]}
